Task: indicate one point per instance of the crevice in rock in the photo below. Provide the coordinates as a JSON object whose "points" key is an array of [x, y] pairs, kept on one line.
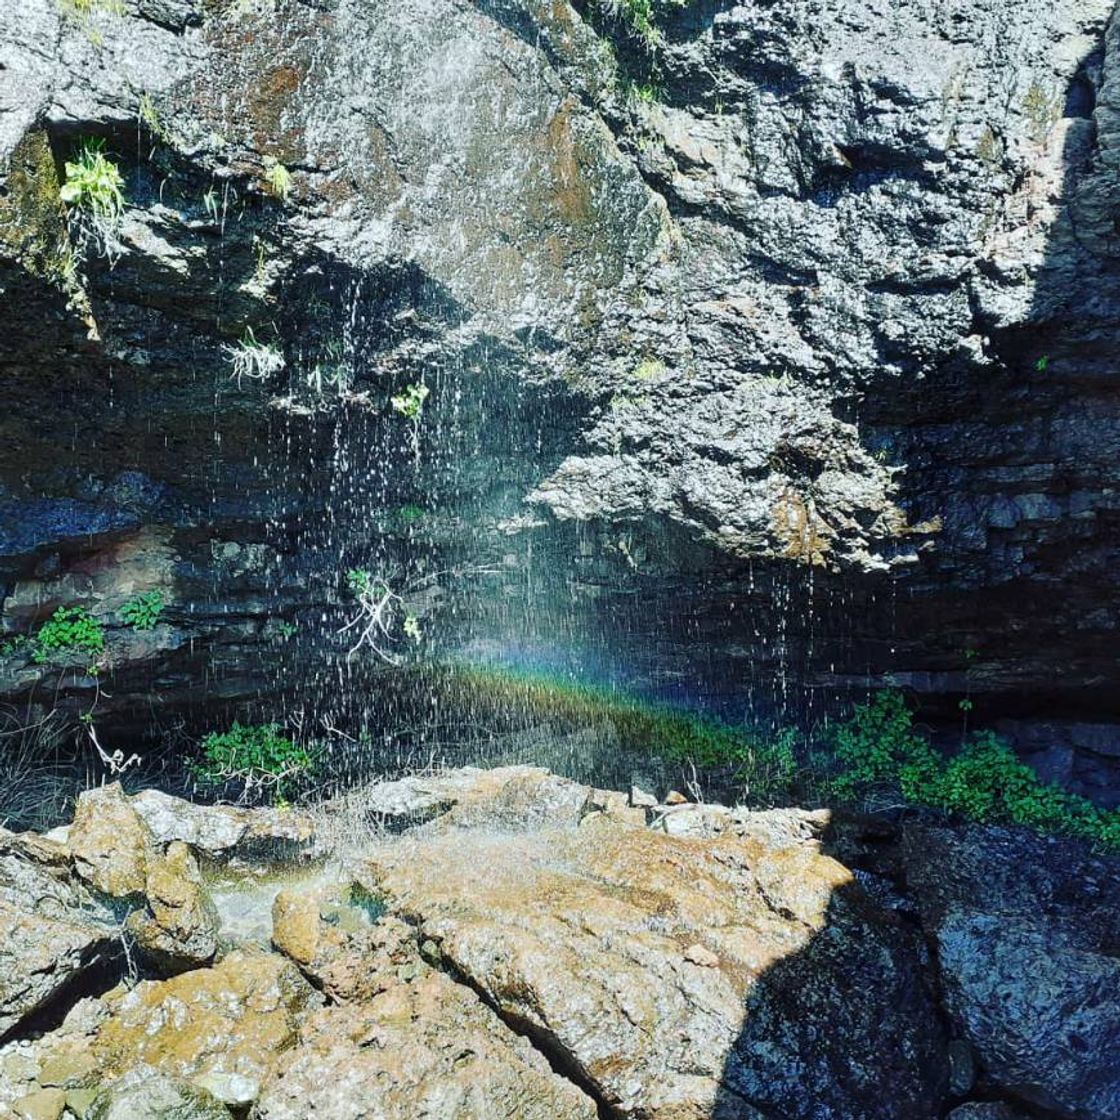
{"points": [[559, 1060], [103, 969]]}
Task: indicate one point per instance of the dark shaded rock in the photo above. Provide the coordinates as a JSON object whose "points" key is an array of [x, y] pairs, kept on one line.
{"points": [[1042, 1013], [1025, 935]]}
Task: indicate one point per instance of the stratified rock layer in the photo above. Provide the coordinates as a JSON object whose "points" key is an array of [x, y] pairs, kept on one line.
{"points": [[808, 344]]}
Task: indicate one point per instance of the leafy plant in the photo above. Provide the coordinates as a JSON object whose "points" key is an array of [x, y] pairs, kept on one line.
{"points": [[410, 402], [278, 178], [143, 611], [255, 360], [877, 745], [1043, 363], [69, 629], [646, 93], [17, 643], [985, 781], [94, 192], [258, 756]]}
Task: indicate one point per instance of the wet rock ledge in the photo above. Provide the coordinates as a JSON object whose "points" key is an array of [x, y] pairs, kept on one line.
{"points": [[510, 944]]}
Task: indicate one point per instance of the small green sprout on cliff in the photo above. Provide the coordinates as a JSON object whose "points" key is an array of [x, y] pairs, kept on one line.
{"points": [[83, 9], [84, 12], [258, 757], [410, 404], [94, 193], [17, 643], [637, 15], [258, 361], [278, 178], [68, 630], [142, 612], [649, 369], [1043, 363]]}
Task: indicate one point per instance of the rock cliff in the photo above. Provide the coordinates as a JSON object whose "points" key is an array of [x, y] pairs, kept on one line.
{"points": [[795, 319]]}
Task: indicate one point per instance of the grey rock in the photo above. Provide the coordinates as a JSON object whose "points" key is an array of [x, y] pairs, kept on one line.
{"points": [[51, 928], [1027, 957], [223, 830], [146, 1094], [986, 1110]]}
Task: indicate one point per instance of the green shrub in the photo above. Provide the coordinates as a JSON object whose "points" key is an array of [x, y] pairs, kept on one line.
{"points": [[142, 612], [69, 629], [986, 781], [878, 745], [256, 755]]}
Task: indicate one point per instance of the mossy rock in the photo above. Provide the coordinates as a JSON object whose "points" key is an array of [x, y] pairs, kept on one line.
{"points": [[33, 229]]}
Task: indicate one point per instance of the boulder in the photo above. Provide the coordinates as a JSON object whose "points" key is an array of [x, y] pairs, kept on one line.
{"points": [[986, 1110], [1043, 1014], [224, 830], [110, 842], [42, 1104], [1029, 959], [296, 926], [505, 798], [179, 929], [220, 1026], [338, 946], [679, 977], [51, 927]]}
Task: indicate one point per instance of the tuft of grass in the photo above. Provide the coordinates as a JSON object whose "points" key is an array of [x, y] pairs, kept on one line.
{"points": [[85, 9], [765, 766], [258, 361], [93, 191], [649, 369], [278, 178]]}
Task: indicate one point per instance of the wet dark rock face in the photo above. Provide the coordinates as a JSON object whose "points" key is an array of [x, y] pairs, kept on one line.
{"points": [[798, 323]]}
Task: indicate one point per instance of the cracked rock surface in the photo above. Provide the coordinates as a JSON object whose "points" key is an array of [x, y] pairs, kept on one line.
{"points": [[522, 946]]}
